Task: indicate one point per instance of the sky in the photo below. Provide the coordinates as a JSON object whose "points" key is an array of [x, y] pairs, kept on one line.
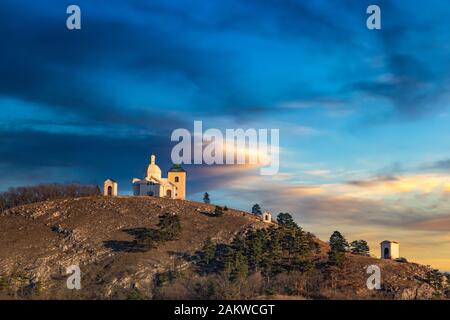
{"points": [[363, 114]]}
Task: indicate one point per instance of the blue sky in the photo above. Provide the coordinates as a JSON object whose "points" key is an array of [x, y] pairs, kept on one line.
{"points": [[363, 115]]}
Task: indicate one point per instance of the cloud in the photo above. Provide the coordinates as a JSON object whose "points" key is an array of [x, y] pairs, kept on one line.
{"points": [[31, 157], [372, 182], [440, 224], [392, 202], [319, 173], [420, 184], [281, 19], [73, 71], [440, 165], [374, 209], [164, 47], [407, 73], [411, 86], [319, 101]]}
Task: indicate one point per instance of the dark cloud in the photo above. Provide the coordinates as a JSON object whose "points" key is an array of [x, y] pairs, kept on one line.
{"points": [[409, 85], [205, 178], [372, 182], [284, 19], [443, 165], [88, 157], [264, 18], [392, 169], [407, 77], [49, 65], [31, 157], [62, 70], [69, 73]]}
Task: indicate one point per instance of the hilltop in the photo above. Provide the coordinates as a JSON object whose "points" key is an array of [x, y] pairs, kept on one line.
{"points": [[40, 240]]}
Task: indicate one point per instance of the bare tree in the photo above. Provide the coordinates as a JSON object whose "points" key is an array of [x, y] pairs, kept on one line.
{"points": [[24, 195]]}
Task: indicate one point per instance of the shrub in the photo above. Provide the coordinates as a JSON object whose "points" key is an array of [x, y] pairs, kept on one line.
{"points": [[169, 227], [360, 247], [218, 211], [135, 294], [4, 283], [25, 195]]}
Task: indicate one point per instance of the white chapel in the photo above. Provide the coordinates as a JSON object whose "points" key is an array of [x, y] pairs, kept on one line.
{"points": [[153, 184]]}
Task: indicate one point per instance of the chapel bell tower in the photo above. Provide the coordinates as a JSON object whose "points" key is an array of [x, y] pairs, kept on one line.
{"points": [[177, 176]]}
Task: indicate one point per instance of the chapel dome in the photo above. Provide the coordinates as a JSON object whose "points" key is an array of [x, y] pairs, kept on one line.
{"points": [[153, 169]]}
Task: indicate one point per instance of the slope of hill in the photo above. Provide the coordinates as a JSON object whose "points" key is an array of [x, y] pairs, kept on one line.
{"points": [[39, 241]]}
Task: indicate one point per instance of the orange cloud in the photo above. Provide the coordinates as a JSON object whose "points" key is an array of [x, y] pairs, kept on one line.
{"points": [[408, 208]]}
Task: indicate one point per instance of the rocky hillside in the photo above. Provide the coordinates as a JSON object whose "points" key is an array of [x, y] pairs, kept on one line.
{"points": [[39, 241]]}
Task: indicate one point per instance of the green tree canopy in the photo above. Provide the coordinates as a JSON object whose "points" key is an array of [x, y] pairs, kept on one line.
{"points": [[256, 209], [286, 220], [360, 247], [208, 251], [338, 248]]}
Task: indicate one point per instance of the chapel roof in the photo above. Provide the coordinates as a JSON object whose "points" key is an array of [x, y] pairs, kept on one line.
{"points": [[177, 168], [389, 241]]}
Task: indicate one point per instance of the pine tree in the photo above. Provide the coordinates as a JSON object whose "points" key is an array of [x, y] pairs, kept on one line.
{"points": [[286, 220], [226, 260], [208, 251], [256, 209], [273, 253], [169, 227], [360, 247], [255, 247], [301, 246], [297, 245], [338, 248], [238, 244], [206, 198], [293, 239], [315, 247], [240, 266]]}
